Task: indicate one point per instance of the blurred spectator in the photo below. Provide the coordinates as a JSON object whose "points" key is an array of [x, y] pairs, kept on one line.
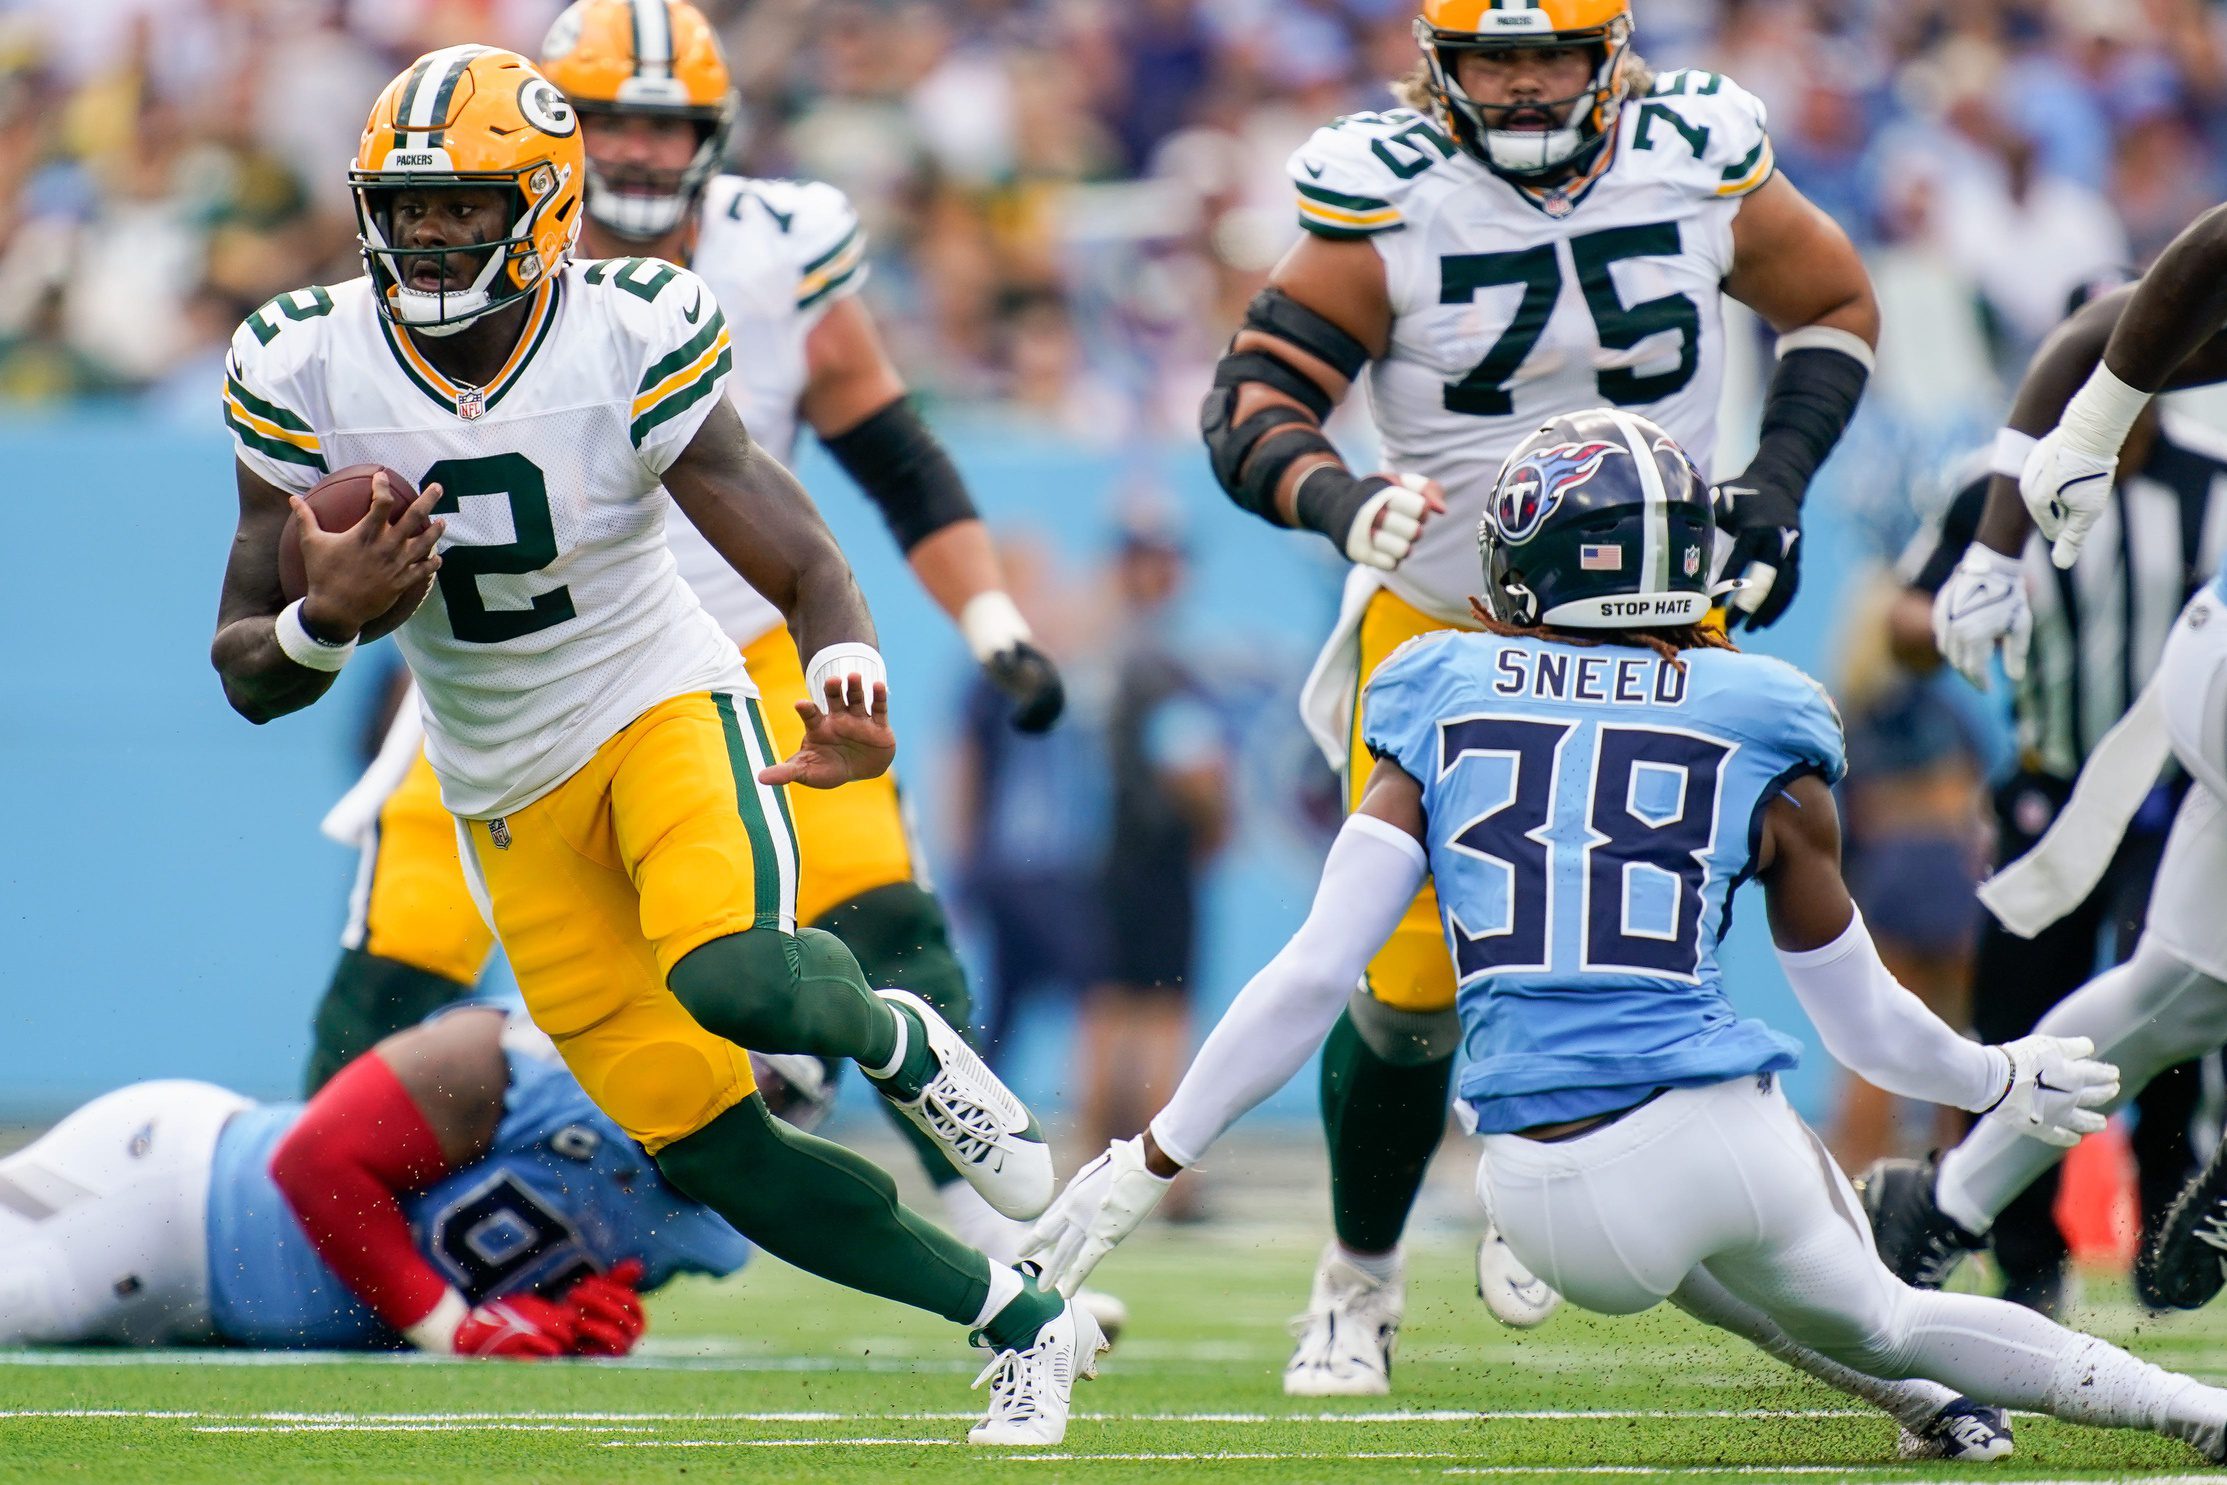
{"points": [[1916, 842], [1169, 770]]}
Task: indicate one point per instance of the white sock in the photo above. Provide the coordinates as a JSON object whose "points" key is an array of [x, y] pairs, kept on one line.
{"points": [[1382, 1267], [897, 1054], [1913, 1404], [1005, 1287], [981, 1226], [2098, 1383]]}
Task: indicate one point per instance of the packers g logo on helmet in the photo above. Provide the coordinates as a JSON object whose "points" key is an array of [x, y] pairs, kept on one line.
{"points": [[1447, 28], [469, 117], [650, 59]]}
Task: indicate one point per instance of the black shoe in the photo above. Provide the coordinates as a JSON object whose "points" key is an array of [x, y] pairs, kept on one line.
{"points": [[1917, 1241], [1963, 1430], [2182, 1267]]}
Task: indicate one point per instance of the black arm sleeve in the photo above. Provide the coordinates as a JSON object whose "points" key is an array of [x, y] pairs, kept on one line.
{"points": [[904, 470], [1812, 395], [1960, 524]]}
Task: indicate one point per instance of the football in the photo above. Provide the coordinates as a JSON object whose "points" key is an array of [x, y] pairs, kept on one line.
{"points": [[339, 501]]}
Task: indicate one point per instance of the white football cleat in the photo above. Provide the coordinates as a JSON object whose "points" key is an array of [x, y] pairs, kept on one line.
{"points": [[1031, 1391], [1346, 1336], [1517, 1297], [1110, 1313], [989, 1137]]}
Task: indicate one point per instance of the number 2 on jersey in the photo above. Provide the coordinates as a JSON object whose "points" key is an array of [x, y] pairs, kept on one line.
{"points": [[1484, 391], [533, 547], [1650, 820]]}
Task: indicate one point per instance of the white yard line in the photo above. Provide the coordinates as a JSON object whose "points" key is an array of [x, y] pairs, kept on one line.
{"points": [[463, 1418]]}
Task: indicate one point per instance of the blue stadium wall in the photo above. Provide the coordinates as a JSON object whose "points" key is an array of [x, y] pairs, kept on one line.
{"points": [[167, 908]]}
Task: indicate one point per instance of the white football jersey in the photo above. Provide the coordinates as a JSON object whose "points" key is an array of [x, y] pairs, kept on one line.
{"points": [[558, 616], [777, 253], [1510, 307]]}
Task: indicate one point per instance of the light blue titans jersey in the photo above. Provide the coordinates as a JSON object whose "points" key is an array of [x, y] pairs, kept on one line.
{"points": [[563, 1193], [2219, 580], [1590, 811]]}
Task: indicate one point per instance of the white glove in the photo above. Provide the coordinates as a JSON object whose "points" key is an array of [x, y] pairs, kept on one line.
{"points": [[2056, 1089], [2066, 487], [1385, 528], [1102, 1205], [1982, 604]]}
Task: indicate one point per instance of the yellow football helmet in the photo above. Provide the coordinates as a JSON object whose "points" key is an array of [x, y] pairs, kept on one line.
{"points": [[1447, 27], [655, 58], [469, 116]]}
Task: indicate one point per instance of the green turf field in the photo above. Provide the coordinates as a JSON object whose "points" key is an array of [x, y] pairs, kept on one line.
{"points": [[778, 1377]]}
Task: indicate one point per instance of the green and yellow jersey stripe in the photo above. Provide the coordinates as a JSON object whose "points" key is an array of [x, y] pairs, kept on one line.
{"points": [[683, 378]]}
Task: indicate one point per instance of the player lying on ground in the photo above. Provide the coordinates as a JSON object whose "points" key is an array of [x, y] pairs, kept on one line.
{"points": [[785, 261], [597, 737], [452, 1189], [1588, 781], [1547, 225], [2168, 1002]]}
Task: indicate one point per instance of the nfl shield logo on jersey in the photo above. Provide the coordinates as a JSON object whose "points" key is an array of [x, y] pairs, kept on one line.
{"points": [[498, 831], [470, 403]]}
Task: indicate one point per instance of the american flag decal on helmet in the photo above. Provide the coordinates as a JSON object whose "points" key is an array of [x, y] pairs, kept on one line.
{"points": [[1603, 557]]}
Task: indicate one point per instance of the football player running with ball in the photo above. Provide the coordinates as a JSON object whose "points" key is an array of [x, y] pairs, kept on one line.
{"points": [[619, 802], [1589, 779], [1547, 226], [784, 261]]}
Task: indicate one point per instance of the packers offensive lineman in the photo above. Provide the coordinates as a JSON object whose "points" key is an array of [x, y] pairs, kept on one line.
{"points": [[619, 803], [1590, 778], [1547, 225], [455, 1156], [784, 261]]}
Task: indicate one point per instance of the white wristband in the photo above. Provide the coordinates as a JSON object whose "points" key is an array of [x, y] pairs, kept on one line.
{"points": [[2011, 449], [2100, 413], [992, 625], [437, 1331], [846, 659], [306, 649]]}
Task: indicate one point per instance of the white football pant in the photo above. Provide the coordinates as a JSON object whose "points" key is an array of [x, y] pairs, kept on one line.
{"points": [[1728, 1180], [2168, 1002], [104, 1220]]}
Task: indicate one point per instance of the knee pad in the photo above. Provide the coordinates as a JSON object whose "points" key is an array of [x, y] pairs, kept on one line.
{"points": [[1404, 1038], [742, 986], [901, 939]]}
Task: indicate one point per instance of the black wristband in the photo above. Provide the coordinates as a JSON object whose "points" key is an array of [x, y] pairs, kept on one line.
{"points": [[1813, 393], [898, 461], [1329, 498]]}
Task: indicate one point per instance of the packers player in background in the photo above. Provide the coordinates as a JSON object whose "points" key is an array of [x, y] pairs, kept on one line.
{"points": [[784, 260], [619, 803], [1548, 225]]}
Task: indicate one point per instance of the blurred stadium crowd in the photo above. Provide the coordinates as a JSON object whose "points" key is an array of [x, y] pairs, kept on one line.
{"points": [[1072, 199]]}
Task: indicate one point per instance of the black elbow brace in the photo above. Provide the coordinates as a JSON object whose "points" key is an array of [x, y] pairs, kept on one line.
{"points": [[1813, 393], [904, 470], [1246, 470]]}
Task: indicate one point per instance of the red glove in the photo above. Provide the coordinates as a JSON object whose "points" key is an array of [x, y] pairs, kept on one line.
{"points": [[606, 1311], [520, 1328]]}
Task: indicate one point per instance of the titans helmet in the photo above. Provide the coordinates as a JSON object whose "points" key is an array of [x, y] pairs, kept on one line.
{"points": [[1597, 521]]}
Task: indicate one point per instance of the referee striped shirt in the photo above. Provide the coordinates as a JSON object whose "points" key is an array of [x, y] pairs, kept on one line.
{"points": [[2100, 627]]}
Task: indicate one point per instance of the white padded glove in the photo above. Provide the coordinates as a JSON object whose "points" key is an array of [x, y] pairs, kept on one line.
{"points": [[1385, 528], [1983, 604], [2056, 1090], [2066, 486], [1102, 1205]]}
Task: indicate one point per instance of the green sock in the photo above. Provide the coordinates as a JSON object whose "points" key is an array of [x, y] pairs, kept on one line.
{"points": [[778, 992], [828, 1211], [915, 1068], [1015, 1327], [902, 939], [368, 999], [1383, 1120]]}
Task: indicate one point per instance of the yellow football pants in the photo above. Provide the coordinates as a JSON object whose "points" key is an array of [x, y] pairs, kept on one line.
{"points": [[1413, 971], [417, 911], [662, 842]]}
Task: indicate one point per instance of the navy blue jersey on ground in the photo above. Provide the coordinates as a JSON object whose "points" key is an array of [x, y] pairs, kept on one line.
{"points": [[1591, 809], [563, 1193]]}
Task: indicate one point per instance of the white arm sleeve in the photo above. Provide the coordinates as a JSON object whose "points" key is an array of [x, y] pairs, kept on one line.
{"points": [[1284, 1012], [1879, 1030]]}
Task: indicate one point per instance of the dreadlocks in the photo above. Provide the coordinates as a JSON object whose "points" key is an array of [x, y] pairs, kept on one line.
{"points": [[1666, 642]]}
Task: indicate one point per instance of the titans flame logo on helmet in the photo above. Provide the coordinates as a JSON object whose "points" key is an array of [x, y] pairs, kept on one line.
{"points": [[1531, 491]]}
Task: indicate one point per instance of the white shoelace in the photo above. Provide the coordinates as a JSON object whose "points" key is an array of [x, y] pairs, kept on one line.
{"points": [[1017, 1381]]}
